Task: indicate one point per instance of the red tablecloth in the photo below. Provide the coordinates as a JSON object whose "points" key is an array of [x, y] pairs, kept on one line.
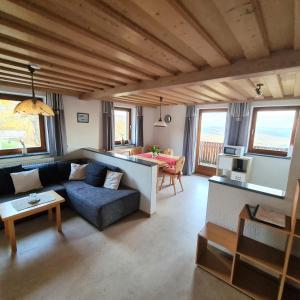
{"points": [[170, 161]]}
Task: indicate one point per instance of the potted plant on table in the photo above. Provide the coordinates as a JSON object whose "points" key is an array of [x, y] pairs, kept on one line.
{"points": [[155, 150]]}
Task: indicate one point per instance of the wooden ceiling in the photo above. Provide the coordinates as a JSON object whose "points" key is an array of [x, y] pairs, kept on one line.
{"points": [[133, 51]]}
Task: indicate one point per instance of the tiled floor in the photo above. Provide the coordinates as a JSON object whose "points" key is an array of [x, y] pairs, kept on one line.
{"points": [[137, 258]]}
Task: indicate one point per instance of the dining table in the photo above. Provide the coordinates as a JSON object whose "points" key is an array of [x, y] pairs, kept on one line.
{"points": [[162, 161]]}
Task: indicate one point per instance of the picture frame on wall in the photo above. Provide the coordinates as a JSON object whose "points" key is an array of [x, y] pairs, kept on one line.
{"points": [[83, 118]]}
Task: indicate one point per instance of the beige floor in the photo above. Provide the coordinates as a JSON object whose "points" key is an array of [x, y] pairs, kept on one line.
{"points": [[137, 258]]}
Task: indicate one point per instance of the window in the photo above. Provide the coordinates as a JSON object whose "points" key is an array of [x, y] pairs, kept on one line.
{"points": [[122, 125], [15, 129], [273, 130]]}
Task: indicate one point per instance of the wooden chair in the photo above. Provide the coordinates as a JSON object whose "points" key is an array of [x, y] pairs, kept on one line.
{"points": [[174, 173], [168, 151], [135, 151]]}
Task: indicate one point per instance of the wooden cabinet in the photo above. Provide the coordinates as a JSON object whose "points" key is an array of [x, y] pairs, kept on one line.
{"points": [[256, 269]]}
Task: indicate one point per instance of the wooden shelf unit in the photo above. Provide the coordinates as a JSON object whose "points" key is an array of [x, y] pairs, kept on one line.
{"points": [[233, 264]]}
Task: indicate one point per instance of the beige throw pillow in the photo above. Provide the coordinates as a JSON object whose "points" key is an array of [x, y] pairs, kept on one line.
{"points": [[112, 180], [77, 172], [26, 181]]}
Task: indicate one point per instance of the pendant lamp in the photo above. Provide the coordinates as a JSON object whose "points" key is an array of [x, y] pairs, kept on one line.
{"points": [[160, 122], [33, 106]]}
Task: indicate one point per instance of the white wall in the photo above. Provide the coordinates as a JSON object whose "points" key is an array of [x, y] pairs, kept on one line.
{"points": [[81, 135], [172, 135]]}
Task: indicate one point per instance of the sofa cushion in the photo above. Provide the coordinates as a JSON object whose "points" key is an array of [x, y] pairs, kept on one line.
{"points": [[95, 174], [101, 206], [77, 171], [26, 181], [63, 169], [48, 174], [6, 183]]}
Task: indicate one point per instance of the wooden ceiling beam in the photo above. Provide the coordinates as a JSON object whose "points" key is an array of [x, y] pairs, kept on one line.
{"points": [[16, 57], [245, 85], [276, 63], [297, 24], [18, 30], [168, 98], [22, 68], [209, 92], [65, 30], [131, 101], [38, 77], [41, 83], [274, 84], [169, 93], [144, 20], [150, 99], [176, 19], [297, 85], [244, 18], [101, 15], [111, 78], [39, 88], [194, 94]]}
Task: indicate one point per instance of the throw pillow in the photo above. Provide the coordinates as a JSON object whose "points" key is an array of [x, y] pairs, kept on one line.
{"points": [[26, 181], [112, 180], [95, 174], [6, 184], [77, 171]]}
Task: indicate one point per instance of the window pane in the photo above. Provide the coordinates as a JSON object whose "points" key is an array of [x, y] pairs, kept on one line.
{"points": [[211, 137], [15, 127], [273, 130], [121, 125]]}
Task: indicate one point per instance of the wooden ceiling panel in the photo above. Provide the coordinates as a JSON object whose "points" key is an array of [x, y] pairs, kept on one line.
{"points": [[67, 31], [140, 17], [206, 14], [109, 24], [134, 51], [174, 18], [288, 83], [280, 33], [245, 21]]}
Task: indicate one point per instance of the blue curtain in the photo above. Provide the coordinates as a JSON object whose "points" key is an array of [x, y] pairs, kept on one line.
{"points": [[108, 125], [139, 133], [56, 128], [189, 140], [237, 126]]}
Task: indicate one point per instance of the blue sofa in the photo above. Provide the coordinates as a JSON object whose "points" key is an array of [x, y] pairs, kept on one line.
{"points": [[98, 205]]}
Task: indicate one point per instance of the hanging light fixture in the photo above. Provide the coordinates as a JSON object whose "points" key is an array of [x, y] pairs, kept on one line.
{"points": [[258, 89], [33, 106], [160, 122]]}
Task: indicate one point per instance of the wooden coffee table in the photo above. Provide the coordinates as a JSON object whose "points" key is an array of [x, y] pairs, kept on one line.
{"points": [[9, 214]]}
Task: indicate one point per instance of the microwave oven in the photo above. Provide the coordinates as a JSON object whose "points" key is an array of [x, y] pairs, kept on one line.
{"points": [[234, 150]]}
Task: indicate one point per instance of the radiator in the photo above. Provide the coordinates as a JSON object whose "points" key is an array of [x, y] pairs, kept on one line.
{"points": [[25, 161]]}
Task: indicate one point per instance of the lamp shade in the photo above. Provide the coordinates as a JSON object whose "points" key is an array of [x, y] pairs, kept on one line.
{"points": [[34, 107], [160, 123]]}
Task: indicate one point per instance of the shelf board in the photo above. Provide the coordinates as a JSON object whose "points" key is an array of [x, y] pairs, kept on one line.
{"points": [[262, 254], [245, 215], [297, 229], [293, 272], [256, 284], [220, 236], [216, 262]]}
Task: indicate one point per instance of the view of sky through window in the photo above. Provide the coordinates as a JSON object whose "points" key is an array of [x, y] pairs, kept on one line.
{"points": [[121, 125], [14, 127]]}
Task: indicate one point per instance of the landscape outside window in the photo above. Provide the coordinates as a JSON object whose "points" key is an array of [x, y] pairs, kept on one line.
{"points": [[15, 128], [122, 125]]}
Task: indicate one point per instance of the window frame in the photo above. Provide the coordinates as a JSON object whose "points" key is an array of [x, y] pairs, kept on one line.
{"points": [[43, 147], [129, 110], [251, 149]]}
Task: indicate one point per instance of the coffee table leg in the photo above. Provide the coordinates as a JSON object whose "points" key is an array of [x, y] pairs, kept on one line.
{"points": [[50, 214], [58, 218], [6, 229], [12, 235]]}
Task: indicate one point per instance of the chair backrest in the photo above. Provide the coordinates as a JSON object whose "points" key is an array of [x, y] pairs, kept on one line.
{"points": [[179, 164], [168, 151], [136, 151]]}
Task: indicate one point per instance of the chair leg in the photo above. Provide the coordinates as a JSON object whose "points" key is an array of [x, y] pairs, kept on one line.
{"points": [[179, 178], [173, 183], [170, 180], [162, 181]]}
